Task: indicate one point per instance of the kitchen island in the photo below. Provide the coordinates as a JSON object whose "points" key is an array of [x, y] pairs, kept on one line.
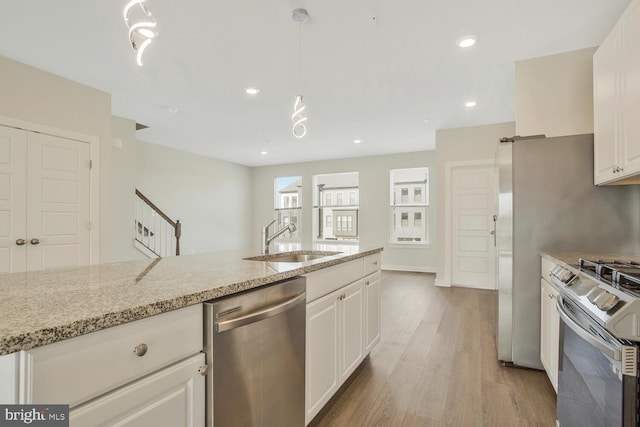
{"points": [[114, 340]]}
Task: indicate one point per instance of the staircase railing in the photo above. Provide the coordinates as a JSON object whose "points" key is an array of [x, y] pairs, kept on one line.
{"points": [[154, 229]]}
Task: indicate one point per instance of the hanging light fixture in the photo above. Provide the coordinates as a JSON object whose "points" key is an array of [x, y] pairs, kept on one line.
{"points": [[299, 128], [141, 27]]}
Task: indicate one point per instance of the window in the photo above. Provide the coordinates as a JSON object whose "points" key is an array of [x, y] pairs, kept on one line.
{"points": [[335, 207], [409, 197], [287, 192], [404, 195]]}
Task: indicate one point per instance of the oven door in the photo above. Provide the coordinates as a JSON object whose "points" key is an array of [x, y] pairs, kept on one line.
{"points": [[591, 386]]}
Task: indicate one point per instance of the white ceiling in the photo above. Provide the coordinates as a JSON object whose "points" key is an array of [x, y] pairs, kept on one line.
{"points": [[376, 81]]}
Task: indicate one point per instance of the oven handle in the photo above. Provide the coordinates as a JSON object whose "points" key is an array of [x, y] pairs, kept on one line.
{"points": [[604, 347]]}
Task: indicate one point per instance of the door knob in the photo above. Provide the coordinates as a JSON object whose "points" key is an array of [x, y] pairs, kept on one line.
{"points": [[20, 242], [35, 241]]}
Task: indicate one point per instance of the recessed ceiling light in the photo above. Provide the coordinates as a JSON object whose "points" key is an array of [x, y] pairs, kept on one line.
{"points": [[264, 153], [466, 41], [251, 90], [357, 141], [470, 104]]}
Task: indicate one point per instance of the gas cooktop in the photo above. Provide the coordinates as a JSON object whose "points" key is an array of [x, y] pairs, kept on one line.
{"points": [[621, 275]]}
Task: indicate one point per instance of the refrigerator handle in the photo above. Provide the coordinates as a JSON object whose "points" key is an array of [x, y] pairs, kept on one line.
{"points": [[495, 219]]}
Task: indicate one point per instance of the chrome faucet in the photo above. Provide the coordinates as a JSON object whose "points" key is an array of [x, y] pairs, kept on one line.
{"points": [[266, 239]]}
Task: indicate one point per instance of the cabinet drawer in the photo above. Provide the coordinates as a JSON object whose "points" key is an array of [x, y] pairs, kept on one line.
{"points": [[327, 280], [371, 263], [174, 397], [78, 369]]}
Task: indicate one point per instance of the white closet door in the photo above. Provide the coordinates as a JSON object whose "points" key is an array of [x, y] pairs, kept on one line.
{"points": [[13, 202], [58, 198]]}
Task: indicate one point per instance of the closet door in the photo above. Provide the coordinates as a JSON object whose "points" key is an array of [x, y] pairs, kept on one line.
{"points": [[13, 201], [58, 200]]}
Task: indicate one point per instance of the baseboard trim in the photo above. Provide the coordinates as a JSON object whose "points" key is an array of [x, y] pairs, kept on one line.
{"points": [[443, 283], [412, 268], [142, 248]]}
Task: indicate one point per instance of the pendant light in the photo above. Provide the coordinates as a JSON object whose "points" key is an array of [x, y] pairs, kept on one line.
{"points": [[141, 25], [299, 128]]}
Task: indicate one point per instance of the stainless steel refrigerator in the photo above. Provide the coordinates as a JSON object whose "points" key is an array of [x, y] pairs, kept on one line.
{"points": [[547, 201]]}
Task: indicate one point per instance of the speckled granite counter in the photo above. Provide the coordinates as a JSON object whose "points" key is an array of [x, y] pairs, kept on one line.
{"points": [[39, 308], [573, 258]]}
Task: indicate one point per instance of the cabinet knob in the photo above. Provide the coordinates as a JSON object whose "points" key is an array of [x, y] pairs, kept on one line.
{"points": [[35, 241], [140, 350], [202, 370], [20, 242]]}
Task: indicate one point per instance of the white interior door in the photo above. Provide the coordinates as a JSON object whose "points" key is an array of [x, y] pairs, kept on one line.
{"points": [[58, 192], [13, 201], [472, 209]]}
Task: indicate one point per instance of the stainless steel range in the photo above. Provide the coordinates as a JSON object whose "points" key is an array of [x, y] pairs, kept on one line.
{"points": [[599, 308]]}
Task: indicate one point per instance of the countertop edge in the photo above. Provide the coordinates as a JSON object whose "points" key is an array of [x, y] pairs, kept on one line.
{"points": [[26, 341]]}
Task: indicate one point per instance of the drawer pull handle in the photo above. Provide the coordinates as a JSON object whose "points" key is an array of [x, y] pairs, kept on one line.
{"points": [[375, 263], [140, 350]]}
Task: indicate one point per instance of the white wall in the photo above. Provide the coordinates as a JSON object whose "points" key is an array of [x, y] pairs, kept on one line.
{"points": [[554, 94], [123, 184], [374, 206], [36, 96], [211, 198], [454, 146]]}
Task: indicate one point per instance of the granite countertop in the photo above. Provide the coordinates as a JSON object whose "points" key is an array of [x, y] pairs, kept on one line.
{"points": [[43, 307], [573, 258]]}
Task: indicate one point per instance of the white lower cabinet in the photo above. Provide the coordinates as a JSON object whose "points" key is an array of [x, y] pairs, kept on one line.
{"points": [[322, 352], [372, 311], [549, 331], [335, 343], [342, 327], [351, 312], [172, 397], [142, 373]]}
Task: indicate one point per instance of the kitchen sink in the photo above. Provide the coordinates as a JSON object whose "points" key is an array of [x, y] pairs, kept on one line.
{"points": [[297, 256]]}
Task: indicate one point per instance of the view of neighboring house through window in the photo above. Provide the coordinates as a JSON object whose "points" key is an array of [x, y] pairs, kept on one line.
{"points": [[288, 205], [335, 207], [409, 196]]}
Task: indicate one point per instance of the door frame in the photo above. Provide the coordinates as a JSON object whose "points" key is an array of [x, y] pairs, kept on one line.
{"points": [[448, 229], [94, 172]]}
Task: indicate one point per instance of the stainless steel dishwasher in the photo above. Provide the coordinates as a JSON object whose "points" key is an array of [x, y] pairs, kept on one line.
{"points": [[255, 345]]}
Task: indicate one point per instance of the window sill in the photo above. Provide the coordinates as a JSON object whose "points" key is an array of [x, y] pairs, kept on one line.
{"points": [[409, 245]]}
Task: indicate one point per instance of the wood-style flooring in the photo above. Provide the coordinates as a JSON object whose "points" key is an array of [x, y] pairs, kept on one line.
{"points": [[436, 365]]}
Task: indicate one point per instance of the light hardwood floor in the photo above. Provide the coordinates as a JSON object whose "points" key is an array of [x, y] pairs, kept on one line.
{"points": [[436, 365]]}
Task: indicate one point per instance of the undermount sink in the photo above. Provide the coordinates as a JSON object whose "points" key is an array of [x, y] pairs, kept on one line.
{"points": [[297, 256]]}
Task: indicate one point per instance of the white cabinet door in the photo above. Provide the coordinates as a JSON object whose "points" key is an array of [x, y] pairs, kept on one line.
{"points": [[372, 311], [13, 200], [352, 328], [549, 331], [322, 352], [605, 100], [630, 89], [172, 397]]}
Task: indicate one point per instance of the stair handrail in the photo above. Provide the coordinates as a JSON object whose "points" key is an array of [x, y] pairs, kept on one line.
{"points": [[177, 226]]}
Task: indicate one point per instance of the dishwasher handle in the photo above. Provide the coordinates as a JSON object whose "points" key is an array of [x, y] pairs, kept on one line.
{"points": [[261, 314]]}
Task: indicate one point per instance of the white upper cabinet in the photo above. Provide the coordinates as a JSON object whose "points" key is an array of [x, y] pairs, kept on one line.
{"points": [[616, 93]]}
